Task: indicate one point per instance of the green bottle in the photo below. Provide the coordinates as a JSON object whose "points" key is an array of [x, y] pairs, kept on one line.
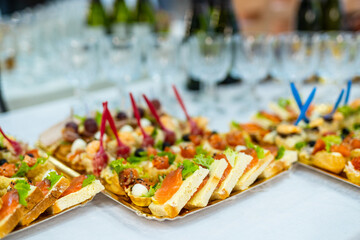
{"points": [[120, 17], [333, 15], [223, 21], [197, 20], [309, 16], [96, 16]]}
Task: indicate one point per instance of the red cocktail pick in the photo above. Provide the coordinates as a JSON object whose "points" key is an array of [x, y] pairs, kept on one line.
{"points": [[16, 146], [122, 149], [148, 140], [101, 158], [169, 135], [194, 129]]}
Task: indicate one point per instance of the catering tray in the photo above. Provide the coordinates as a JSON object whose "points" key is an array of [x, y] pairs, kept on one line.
{"points": [[146, 213], [333, 175], [70, 174]]}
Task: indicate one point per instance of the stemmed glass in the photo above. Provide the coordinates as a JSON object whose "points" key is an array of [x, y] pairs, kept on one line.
{"points": [[338, 61], [252, 60], [123, 61], [162, 63], [80, 54], [209, 61]]}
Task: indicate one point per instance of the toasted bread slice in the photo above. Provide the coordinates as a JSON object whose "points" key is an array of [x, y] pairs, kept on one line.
{"points": [[173, 206], [202, 197], [77, 197], [276, 166], [8, 223], [47, 202], [239, 163], [250, 176]]}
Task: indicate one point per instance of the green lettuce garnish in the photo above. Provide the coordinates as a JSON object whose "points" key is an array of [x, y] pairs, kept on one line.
{"points": [[98, 116], [53, 177], [135, 159], [356, 126], [23, 188], [346, 110], [234, 124], [159, 145], [189, 168], [170, 155], [260, 152], [154, 133], [24, 168], [283, 102], [89, 180], [280, 153], [118, 166], [331, 140], [300, 145], [201, 150], [202, 160]]}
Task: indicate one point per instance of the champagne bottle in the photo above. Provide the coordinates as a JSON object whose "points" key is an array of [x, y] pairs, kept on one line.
{"points": [[96, 17], [3, 106], [332, 15], [309, 16], [144, 13], [197, 20], [223, 21], [120, 17]]}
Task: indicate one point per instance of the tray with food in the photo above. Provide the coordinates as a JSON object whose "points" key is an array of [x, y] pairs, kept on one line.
{"points": [[327, 139], [35, 188], [162, 167]]}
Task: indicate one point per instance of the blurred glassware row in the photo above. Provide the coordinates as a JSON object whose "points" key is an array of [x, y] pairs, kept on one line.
{"points": [[40, 47]]}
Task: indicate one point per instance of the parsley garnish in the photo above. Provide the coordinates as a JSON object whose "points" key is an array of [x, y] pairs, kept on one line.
{"points": [[234, 124], [135, 159], [300, 145], [331, 140], [118, 165], [89, 180], [170, 155], [53, 177], [283, 102], [23, 188], [280, 153], [201, 150], [202, 160], [24, 168], [189, 168], [158, 145]]}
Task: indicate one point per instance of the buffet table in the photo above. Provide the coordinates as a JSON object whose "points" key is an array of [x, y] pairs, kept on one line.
{"points": [[301, 204]]}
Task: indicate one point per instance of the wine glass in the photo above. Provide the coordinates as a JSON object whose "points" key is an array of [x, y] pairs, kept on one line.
{"points": [[338, 62], [252, 60], [123, 61], [300, 55], [80, 55], [162, 63], [209, 61]]}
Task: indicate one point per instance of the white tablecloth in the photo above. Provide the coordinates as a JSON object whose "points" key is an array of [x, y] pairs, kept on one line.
{"points": [[300, 205]]}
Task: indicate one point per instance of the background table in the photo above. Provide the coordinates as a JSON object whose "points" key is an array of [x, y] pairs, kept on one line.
{"points": [[299, 205]]}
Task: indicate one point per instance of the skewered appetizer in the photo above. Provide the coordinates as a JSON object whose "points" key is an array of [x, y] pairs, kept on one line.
{"points": [[29, 185]]}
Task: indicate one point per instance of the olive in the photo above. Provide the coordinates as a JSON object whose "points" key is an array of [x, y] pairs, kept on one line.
{"points": [[138, 152], [214, 132], [121, 116], [156, 104], [72, 125], [328, 118], [344, 133], [3, 161], [186, 137], [90, 126], [141, 112], [311, 143], [30, 155], [166, 144]]}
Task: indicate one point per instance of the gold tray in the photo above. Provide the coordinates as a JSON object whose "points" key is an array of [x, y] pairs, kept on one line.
{"points": [[67, 172], [333, 175], [146, 213]]}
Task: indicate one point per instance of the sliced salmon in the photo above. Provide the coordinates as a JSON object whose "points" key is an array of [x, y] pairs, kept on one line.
{"points": [[169, 186]]}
